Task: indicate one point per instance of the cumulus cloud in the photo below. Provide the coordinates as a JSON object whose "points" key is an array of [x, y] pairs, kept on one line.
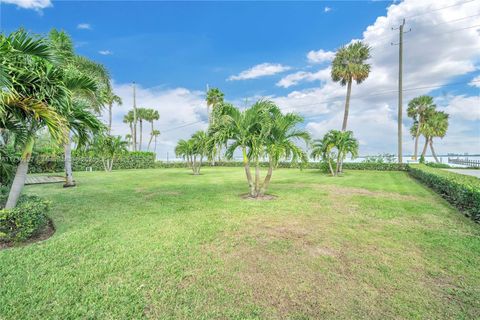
{"points": [[463, 107], [105, 52], [327, 9], [30, 4], [436, 52], [320, 56], [84, 26], [260, 70], [182, 112], [300, 76], [475, 82]]}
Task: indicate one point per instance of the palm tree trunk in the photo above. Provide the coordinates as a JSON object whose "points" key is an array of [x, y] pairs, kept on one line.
{"points": [[331, 167], [141, 134], [433, 151], [268, 177], [417, 136], [110, 118], [257, 177], [68, 164], [21, 174], [425, 147], [347, 105], [339, 159], [151, 136], [155, 145], [246, 165]]}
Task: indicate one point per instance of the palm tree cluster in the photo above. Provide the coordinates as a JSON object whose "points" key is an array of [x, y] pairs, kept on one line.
{"points": [[194, 150], [140, 115], [427, 121], [260, 131], [46, 86], [333, 148]]}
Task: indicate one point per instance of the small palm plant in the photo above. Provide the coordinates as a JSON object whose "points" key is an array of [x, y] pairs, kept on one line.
{"points": [[109, 148], [335, 146], [193, 150]]}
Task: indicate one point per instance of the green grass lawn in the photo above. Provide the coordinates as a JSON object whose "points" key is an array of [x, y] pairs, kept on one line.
{"points": [[164, 244]]}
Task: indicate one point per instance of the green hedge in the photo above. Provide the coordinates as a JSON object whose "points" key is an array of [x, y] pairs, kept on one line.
{"points": [[25, 220], [309, 165], [131, 160], [460, 190]]}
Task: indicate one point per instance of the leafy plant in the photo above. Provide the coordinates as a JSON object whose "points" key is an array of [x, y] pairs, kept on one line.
{"points": [[460, 190], [25, 220]]}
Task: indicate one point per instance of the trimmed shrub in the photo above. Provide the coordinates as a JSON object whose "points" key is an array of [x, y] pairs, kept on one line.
{"points": [[460, 190], [438, 165], [81, 161], [323, 166], [25, 220]]}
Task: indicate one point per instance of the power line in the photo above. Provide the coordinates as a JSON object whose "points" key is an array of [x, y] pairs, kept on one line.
{"points": [[385, 92], [438, 9]]}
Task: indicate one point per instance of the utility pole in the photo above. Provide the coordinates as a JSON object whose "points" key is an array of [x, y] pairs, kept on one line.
{"points": [[134, 119], [400, 88]]}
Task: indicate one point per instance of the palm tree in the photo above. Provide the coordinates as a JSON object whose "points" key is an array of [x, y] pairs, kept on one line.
{"points": [[142, 114], [155, 134], [193, 150], [261, 130], [109, 148], [33, 96], [436, 125], [152, 115], [111, 98], [335, 144], [280, 142], [349, 65], [213, 98], [184, 149], [419, 109], [85, 79], [129, 118]]}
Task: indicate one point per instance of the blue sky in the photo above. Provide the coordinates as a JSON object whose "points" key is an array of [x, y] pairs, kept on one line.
{"points": [[278, 50]]}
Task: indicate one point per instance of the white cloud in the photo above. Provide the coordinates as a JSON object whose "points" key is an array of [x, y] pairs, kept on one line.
{"points": [[105, 52], [84, 26], [463, 107], [433, 56], [30, 4], [295, 78], [475, 82], [320, 56], [177, 107], [260, 70], [327, 9]]}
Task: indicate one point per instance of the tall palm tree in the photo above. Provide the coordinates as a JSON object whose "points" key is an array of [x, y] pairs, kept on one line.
{"points": [[419, 109], [110, 98], [213, 98], [142, 114], [129, 118], [151, 116], [350, 65]]}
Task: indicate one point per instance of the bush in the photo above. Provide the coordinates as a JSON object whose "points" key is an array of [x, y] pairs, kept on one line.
{"points": [[81, 161], [438, 165], [323, 166], [460, 190], [25, 220]]}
